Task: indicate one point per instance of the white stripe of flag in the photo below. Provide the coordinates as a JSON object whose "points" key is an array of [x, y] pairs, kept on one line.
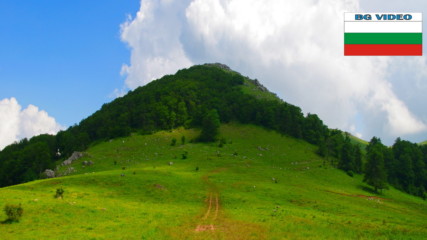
{"points": [[383, 27]]}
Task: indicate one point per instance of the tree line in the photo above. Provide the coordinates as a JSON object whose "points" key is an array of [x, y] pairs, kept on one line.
{"points": [[403, 165]]}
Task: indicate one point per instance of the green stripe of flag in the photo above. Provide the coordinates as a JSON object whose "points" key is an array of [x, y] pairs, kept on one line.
{"points": [[383, 38]]}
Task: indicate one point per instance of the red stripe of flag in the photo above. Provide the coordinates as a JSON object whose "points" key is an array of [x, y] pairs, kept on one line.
{"points": [[383, 49]]}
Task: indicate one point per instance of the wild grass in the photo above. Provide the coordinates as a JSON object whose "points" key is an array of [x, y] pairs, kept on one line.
{"points": [[269, 187], [250, 88]]}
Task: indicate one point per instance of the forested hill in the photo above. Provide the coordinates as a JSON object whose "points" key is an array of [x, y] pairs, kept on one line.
{"points": [[184, 99], [176, 100]]}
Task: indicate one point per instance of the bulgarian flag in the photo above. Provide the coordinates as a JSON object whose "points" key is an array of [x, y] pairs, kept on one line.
{"points": [[383, 34]]}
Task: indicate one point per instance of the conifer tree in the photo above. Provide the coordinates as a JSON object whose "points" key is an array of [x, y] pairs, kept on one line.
{"points": [[375, 174], [346, 161], [358, 159]]}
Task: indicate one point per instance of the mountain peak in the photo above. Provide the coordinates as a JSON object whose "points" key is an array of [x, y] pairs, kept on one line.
{"points": [[218, 65]]}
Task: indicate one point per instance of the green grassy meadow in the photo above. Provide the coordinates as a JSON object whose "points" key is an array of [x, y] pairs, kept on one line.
{"points": [[268, 186]]}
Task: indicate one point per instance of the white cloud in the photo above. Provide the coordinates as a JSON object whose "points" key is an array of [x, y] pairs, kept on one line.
{"points": [[9, 118], [118, 93], [294, 47], [394, 5], [153, 36], [16, 124]]}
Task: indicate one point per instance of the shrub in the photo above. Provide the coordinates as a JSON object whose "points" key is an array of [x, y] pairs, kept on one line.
{"points": [[210, 126], [13, 212], [184, 155], [173, 142], [222, 141], [59, 193], [182, 140]]}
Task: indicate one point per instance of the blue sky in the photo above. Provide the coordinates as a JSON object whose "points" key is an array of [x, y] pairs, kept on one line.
{"points": [[61, 60], [62, 56]]}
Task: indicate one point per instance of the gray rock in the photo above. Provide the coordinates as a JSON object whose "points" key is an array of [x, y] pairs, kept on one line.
{"points": [[219, 65], [260, 86], [49, 173], [87, 163], [72, 158], [69, 170]]}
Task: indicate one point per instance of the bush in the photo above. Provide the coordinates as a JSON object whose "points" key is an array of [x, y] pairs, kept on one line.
{"points": [[59, 193], [184, 155], [222, 141], [210, 127], [173, 142], [182, 140], [13, 212]]}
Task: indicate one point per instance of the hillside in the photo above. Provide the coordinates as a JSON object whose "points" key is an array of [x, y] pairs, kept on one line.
{"points": [[359, 141], [182, 99], [187, 98], [259, 185]]}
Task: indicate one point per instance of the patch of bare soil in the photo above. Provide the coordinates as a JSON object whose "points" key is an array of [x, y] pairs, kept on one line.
{"points": [[211, 215]]}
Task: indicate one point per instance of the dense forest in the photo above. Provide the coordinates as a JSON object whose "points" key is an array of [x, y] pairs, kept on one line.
{"points": [[192, 98]]}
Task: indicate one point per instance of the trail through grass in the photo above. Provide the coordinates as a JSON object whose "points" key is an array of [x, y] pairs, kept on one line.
{"points": [[259, 185]]}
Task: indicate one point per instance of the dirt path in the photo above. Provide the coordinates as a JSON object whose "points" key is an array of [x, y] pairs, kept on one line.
{"points": [[214, 223], [207, 223]]}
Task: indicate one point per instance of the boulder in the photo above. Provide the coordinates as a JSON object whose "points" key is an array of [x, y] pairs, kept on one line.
{"points": [[87, 163], [72, 158], [49, 173]]}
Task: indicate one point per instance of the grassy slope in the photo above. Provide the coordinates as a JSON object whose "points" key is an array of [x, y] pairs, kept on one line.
{"points": [[250, 88], [359, 141], [157, 201]]}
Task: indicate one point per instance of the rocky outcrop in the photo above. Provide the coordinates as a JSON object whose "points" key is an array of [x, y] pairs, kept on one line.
{"points": [[260, 86], [219, 65], [74, 156], [49, 173]]}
